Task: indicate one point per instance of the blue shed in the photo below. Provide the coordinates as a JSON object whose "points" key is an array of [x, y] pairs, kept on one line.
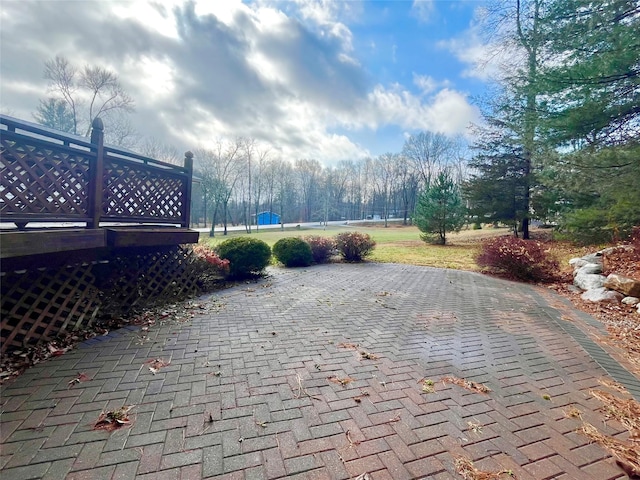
{"points": [[268, 218]]}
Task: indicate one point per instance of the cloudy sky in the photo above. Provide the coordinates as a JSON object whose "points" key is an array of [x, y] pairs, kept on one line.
{"points": [[329, 80]]}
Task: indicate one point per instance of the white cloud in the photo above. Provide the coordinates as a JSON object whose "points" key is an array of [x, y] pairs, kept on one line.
{"points": [[428, 84], [486, 60], [448, 111], [204, 70], [423, 9]]}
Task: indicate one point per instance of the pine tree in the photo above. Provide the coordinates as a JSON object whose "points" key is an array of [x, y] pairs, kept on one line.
{"points": [[591, 81], [440, 209], [591, 111], [53, 113]]}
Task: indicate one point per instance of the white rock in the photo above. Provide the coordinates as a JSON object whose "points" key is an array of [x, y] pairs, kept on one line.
{"points": [[601, 294], [631, 300], [589, 281], [589, 268], [593, 257], [577, 262]]}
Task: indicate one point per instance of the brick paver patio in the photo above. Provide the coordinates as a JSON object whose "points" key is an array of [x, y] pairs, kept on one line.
{"points": [[253, 390]]}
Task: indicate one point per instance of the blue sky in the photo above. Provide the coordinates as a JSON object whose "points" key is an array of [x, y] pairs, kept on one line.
{"points": [[330, 80]]}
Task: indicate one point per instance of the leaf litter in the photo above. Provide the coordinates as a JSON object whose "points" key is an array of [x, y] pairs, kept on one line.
{"points": [[113, 419], [627, 412], [156, 364], [626, 454], [468, 471], [618, 387], [15, 362], [82, 377], [428, 386], [364, 355], [340, 381], [468, 384]]}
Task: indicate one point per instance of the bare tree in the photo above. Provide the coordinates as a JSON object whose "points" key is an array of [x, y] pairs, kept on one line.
{"points": [[97, 87], [63, 81], [155, 148], [120, 132], [249, 149], [285, 188], [106, 94], [429, 152], [308, 174], [221, 169], [260, 166], [384, 179], [407, 185]]}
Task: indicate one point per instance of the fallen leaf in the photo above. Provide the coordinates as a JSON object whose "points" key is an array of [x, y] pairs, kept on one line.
{"points": [[341, 381]]}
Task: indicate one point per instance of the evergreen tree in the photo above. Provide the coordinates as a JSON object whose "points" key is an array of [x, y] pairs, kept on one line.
{"points": [[591, 81], [53, 113], [503, 186], [511, 137], [440, 209], [591, 112]]}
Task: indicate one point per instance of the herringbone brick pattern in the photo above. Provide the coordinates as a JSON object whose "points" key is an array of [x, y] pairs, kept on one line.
{"points": [[265, 389]]}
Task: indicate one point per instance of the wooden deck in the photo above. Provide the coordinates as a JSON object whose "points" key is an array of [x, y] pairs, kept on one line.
{"points": [[129, 248]]}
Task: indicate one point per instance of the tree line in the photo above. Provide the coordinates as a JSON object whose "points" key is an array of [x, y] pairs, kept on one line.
{"points": [[237, 179]]}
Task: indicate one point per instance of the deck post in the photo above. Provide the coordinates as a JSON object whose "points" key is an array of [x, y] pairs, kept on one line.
{"points": [[96, 181], [188, 166]]}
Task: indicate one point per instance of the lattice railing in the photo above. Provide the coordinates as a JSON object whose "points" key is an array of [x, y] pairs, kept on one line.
{"points": [[50, 176], [43, 181], [141, 192]]}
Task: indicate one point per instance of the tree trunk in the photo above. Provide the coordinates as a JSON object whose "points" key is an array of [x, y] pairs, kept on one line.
{"points": [[212, 232]]}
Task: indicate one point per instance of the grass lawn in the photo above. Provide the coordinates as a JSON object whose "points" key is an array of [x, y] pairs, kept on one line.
{"points": [[394, 244]]}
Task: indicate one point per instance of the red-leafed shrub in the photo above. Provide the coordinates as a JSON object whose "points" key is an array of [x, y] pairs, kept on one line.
{"points": [[354, 246], [516, 258], [208, 255], [322, 248]]}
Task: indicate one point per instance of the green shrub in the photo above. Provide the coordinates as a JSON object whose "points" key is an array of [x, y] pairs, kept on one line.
{"points": [[520, 259], [247, 256], [293, 252], [354, 246], [610, 219], [321, 248]]}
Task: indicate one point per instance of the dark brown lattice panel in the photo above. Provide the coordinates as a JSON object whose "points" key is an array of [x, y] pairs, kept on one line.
{"points": [[37, 304], [139, 192], [148, 279], [40, 303], [50, 180]]}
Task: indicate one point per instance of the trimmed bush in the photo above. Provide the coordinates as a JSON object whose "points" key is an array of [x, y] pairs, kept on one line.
{"points": [[322, 248], [354, 246], [247, 256], [293, 252], [520, 259]]}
